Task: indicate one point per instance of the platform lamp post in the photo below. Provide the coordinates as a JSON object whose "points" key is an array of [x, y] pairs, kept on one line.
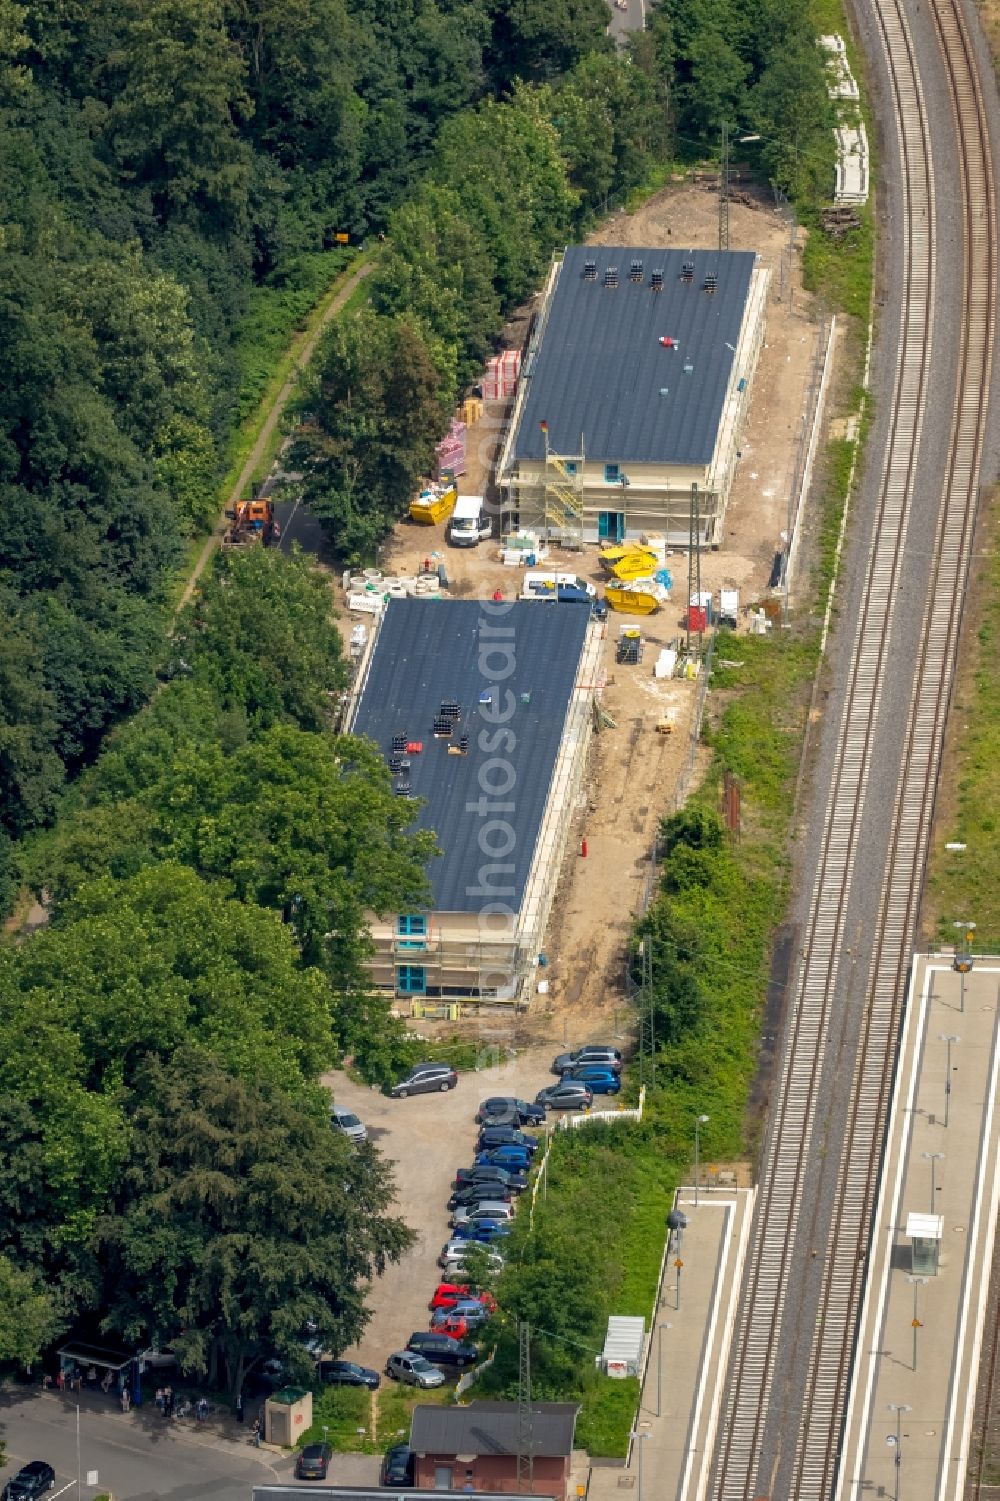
{"points": [[699, 1121], [639, 1436], [895, 1440], [933, 1158], [963, 956], [659, 1365], [948, 1038], [915, 1324]]}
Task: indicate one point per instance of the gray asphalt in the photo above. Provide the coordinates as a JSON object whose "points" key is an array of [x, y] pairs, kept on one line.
{"points": [[785, 1407], [631, 17], [138, 1457]]}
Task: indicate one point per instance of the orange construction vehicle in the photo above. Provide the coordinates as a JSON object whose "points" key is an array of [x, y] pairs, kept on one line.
{"points": [[251, 521]]}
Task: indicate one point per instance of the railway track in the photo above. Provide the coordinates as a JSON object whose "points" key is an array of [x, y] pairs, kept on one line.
{"points": [[788, 1158]]}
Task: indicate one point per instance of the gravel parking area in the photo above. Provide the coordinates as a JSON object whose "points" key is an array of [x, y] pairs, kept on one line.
{"points": [[426, 1137]]}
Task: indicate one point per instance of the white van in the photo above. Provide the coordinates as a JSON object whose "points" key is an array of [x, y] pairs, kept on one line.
{"points": [[469, 526]]}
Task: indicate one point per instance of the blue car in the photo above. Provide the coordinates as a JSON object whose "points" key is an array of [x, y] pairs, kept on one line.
{"points": [[517, 1159], [598, 1080], [483, 1231], [505, 1136]]}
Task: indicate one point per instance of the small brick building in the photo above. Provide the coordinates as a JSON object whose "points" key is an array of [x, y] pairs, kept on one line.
{"points": [[475, 1447]]}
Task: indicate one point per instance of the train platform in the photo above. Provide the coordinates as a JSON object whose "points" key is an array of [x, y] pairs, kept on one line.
{"points": [[910, 1411], [671, 1448]]}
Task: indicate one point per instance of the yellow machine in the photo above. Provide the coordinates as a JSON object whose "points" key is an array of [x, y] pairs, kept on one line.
{"points": [[251, 521], [435, 503]]}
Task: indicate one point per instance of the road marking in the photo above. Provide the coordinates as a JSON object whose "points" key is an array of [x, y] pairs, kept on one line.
{"points": [[68, 1486]]}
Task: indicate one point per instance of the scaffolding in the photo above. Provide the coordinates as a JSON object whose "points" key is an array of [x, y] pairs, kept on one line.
{"points": [[563, 498]]}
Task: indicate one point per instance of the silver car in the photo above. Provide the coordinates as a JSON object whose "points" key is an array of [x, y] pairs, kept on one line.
{"points": [[342, 1119], [413, 1369], [482, 1209]]}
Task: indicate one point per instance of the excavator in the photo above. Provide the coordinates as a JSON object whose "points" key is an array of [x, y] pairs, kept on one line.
{"points": [[251, 521]]}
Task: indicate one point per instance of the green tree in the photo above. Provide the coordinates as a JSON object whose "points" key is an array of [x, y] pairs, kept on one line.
{"points": [[241, 1217], [375, 414], [177, 85], [536, 41], [28, 1319]]}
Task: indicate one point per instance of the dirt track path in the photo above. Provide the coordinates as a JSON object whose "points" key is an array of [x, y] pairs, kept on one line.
{"points": [[270, 423]]}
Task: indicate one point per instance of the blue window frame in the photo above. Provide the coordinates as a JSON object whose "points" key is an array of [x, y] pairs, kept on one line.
{"points": [[411, 979], [612, 474], [570, 466], [411, 930], [610, 526]]}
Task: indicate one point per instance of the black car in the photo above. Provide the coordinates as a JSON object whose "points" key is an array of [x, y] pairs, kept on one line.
{"points": [[594, 1052], [313, 1462], [397, 1466], [348, 1373], [506, 1110], [31, 1480], [504, 1136], [486, 1172], [441, 1349], [492, 1191], [425, 1078], [568, 1094]]}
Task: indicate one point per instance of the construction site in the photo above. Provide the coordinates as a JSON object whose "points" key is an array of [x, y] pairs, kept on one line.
{"points": [[640, 678]]}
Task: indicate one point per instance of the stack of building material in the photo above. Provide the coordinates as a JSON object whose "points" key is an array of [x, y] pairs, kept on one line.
{"points": [[502, 374], [451, 450], [472, 410]]}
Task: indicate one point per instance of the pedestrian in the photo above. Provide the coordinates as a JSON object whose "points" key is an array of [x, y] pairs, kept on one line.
{"points": [[126, 1399], [158, 1399], [61, 1379], [91, 1375], [46, 1382], [256, 1432], [201, 1410], [106, 1382], [168, 1401], [239, 1407]]}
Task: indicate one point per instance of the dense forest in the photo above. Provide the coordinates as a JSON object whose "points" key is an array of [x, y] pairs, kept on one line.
{"points": [[166, 168]]}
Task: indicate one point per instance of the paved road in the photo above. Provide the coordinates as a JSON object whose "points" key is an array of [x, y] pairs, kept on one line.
{"points": [[623, 22], [137, 1456]]}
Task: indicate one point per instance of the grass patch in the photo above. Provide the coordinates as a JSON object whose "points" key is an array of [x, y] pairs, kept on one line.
{"points": [[840, 271], [964, 884], [342, 1411]]}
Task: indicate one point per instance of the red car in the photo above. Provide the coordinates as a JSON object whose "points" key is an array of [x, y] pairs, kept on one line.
{"points": [[447, 1294]]}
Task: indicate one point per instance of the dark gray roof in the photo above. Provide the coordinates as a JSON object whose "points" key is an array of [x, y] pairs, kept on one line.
{"points": [[429, 651], [492, 1428], [601, 367]]}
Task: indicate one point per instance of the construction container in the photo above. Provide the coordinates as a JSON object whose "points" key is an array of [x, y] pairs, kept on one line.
{"points": [[628, 561], [434, 503]]}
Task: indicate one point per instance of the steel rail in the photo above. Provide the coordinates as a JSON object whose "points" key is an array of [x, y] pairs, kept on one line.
{"points": [[787, 1149]]}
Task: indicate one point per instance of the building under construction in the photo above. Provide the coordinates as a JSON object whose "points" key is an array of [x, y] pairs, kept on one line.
{"points": [[483, 713], [632, 394]]}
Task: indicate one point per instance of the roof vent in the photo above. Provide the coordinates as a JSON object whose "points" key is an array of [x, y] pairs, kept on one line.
{"points": [[687, 271], [656, 279], [611, 276], [635, 271], [710, 283], [688, 368], [664, 390], [590, 270]]}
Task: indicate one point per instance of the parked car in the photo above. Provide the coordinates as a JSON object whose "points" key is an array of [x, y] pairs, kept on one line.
{"points": [[486, 1172], [413, 1369], [31, 1480], [490, 1192], [484, 1232], [483, 1209], [442, 1350], [425, 1078], [498, 1107], [344, 1120], [348, 1373], [594, 1052], [313, 1462], [461, 1321], [505, 1136], [397, 1466], [449, 1294], [568, 1094], [457, 1263], [510, 1156], [599, 1080]]}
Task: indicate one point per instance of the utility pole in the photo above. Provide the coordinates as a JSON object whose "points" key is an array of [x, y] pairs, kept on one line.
{"points": [[948, 1038], [647, 1020], [525, 1446], [724, 189]]}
